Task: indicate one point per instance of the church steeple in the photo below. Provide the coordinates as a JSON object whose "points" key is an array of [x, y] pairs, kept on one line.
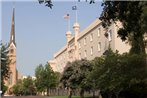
{"points": [[12, 36]]}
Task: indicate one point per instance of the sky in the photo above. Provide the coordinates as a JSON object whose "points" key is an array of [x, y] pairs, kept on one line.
{"points": [[40, 31]]}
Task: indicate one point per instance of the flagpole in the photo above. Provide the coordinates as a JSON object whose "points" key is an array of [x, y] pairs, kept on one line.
{"points": [[76, 13], [69, 24]]}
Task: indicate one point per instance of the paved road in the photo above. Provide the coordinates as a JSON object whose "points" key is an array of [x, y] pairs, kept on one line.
{"points": [[25, 97]]}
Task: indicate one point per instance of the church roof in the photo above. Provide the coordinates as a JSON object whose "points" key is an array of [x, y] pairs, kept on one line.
{"points": [[12, 36]]}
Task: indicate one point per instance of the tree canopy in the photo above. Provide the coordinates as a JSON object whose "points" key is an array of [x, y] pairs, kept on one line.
{"points": [[25, 86], [4, 66], [120, 75], [46, 78], [133, 16], [49, 3], [75, 75]]}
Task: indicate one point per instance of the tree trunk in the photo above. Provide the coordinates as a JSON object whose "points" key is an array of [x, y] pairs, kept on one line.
{"points": [[137, 44], [93, 93], [69, 93], [47, 91], [82, 93]]}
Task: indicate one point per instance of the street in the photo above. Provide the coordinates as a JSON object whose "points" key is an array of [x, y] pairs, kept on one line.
{"points": [[24, 97]]}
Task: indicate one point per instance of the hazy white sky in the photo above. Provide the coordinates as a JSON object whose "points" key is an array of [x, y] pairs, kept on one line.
{"points": [[40, 31]]}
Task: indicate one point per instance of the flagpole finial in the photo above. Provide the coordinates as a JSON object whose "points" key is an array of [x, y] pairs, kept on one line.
{"points": [[13, 4], [76, 13]]}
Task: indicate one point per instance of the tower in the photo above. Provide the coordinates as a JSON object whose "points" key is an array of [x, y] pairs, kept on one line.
{"points": [[12, 56], [76, 28], [68, 36]]}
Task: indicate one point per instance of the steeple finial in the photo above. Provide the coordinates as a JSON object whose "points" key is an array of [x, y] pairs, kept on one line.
{"points": [[12, 36]]}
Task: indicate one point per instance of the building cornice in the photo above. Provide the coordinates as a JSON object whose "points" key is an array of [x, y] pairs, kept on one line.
{"points": [[84, 32], [89, 28], [60, 51]]}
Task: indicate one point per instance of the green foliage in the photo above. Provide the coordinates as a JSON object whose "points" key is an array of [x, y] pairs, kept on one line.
{"points": [[123, 75], [67, 73], [133, 16], [39, 71], [29, 86], [4, 62], [3, 88], [18, 88], [49, 3], [81, 70], [4, 66], [24, 87], [46, 78], [75, 75]]}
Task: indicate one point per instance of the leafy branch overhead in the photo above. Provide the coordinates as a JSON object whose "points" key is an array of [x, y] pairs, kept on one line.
{"points": [[49, 3], [133, 17]]}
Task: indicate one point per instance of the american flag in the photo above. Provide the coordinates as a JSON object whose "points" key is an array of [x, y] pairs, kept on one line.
{"points": [[66, 16]]}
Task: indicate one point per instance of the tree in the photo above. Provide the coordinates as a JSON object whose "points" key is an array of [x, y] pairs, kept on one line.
{"points": [[67, 73], [29, 86], [24, 87], [46, 78], [75, 76], [49, 78], [39, 82], [120, 75], [18, 88], [4, 66], [133, 16], [49, 3]]}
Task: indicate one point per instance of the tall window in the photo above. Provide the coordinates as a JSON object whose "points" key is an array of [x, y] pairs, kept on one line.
{"points": [[110, 35], [91, 37], [99, 32], [91, 51], [79, 45], [85, 54], [85, 41], [99, 46]]}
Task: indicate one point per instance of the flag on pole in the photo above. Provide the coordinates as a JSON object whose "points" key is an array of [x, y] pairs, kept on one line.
{"points": [[66, 16], [74, 7]]}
